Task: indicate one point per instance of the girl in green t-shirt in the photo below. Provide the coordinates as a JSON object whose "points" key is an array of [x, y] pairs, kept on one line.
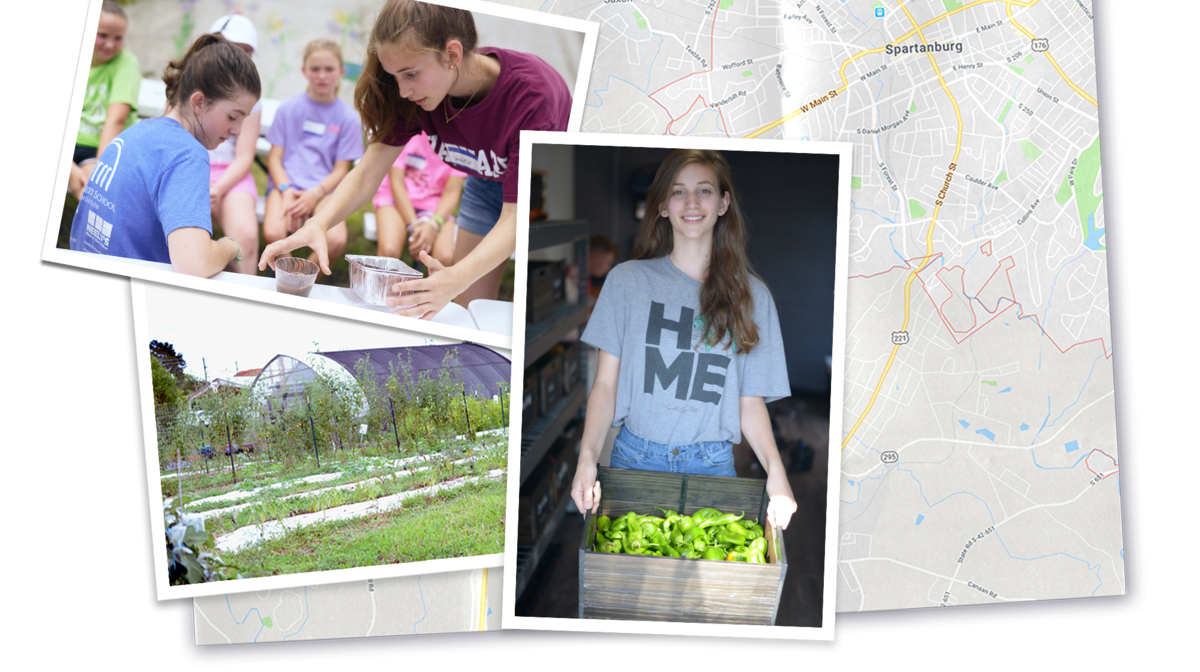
{"points": [[111, 97]]}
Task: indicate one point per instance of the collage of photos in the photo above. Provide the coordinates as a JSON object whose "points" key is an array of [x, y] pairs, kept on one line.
{"points": [[423, 346]]}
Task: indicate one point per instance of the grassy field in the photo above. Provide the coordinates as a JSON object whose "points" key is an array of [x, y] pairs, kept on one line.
{"points": [[466, 521], [357, 242]]}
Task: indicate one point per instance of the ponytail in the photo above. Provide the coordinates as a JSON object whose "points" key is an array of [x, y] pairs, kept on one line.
{"points": [[213, 66]]}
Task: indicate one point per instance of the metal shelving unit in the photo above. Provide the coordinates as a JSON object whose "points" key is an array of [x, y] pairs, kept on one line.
{"points": [[540, 337]]}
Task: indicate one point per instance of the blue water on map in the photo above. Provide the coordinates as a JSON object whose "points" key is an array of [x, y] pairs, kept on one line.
{"points": [[987, 433], [1024, 426], [1072, 446], [1007, 389], [920, 518], [964, 423], [1094, 234]]}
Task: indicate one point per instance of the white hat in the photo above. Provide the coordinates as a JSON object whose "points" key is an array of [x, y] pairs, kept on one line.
{"points": [[236, 28]]}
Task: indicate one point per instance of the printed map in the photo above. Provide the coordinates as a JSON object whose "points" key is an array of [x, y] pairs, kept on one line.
{"points": [[979, 458], [460, 601]]}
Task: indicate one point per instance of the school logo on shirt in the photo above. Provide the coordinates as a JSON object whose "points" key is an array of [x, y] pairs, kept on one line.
{"points": [[99, 229], [708, 368], [469, 159], [103, 173]]}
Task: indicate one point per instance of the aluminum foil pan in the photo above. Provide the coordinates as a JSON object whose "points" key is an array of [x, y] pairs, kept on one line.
{"points": [[371, 278]]}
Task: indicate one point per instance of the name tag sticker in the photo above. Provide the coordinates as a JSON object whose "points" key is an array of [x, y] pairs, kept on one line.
{"points": [[314, 128], [415, 161]]}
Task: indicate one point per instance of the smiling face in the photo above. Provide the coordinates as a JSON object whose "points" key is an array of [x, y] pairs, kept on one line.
{"points": [[695, 202], [423, 78], [217, 121], [323, 71], [110, 37]]}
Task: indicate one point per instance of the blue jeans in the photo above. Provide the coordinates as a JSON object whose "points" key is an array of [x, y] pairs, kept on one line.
{"points": [[710, 458], [480, 205]]}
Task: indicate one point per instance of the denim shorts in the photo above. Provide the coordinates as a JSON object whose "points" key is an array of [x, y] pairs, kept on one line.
{"points": [[480, 206], [710, 458]]}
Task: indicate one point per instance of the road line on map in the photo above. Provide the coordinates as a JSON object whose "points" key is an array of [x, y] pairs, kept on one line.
{"points": [[483, 599], [878, 50], [928, 236], [1053, 62]]}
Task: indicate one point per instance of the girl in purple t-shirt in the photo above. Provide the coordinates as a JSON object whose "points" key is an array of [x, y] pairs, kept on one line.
{"points": [[417, 201], [314, 137], [424, 72]]}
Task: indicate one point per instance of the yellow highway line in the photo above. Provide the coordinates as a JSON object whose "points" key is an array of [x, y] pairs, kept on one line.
{"points": [[483, 601], [1053, 62], [905, 36], [928, 238]]}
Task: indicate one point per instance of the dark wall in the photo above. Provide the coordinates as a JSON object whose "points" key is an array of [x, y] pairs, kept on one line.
{"points": [[790, 201]]}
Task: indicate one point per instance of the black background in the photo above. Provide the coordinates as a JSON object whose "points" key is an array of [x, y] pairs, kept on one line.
{"points": [[85, 453]]}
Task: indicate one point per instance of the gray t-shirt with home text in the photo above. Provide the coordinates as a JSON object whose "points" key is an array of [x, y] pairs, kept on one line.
{"points": [[673, 388]]}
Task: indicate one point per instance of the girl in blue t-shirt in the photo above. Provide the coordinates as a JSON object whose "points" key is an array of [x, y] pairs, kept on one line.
{"points": [[148, 197], [314, 137], [690, 253]]}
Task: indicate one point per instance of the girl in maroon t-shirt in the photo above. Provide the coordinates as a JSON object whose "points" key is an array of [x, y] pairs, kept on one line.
{"points": [[424, 72]]}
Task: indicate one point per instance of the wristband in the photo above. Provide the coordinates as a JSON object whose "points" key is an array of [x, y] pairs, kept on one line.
{"points": [[239, 254], [284, 187], [437, 227]]}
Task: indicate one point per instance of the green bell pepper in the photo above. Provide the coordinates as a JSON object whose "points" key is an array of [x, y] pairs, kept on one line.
{"points": [[603, 523], [759, 545], [734, 527], [633, 545], [721, 519], [713, 553], [727, 537]]}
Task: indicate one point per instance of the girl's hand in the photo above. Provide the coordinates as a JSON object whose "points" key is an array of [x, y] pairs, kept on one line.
{"points": [[215, 195], [303, 204], [782, 504], [307, 236], [289, 200], [422, 238], [585, 489], [426, 297]]}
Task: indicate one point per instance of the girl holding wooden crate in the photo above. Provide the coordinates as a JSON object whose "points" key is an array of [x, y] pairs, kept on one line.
{"points": [[689, 340]]}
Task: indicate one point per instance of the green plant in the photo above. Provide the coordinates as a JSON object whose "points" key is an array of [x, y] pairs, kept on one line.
{"points": [[187, 560]]}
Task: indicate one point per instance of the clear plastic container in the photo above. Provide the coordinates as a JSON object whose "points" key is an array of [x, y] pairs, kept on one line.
{"points": [[295, 276], [372, 278]]}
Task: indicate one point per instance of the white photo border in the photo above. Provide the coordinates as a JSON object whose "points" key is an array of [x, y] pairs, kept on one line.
{"points": [[148, 271], [842, 150], [154, 485]]}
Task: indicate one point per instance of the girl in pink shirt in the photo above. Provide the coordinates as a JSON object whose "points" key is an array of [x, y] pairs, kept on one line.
{"points": [[417, 201]]}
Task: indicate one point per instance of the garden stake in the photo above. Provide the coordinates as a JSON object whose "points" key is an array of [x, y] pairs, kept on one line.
{"points": [[314, 432], [202, 448], [229, 437], [395, 432], [470, 435]]}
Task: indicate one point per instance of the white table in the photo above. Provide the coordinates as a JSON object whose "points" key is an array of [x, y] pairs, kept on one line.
{"points": [[491, 316]]}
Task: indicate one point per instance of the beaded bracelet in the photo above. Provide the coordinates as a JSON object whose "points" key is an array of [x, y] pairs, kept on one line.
{"points": [[239, 254]]}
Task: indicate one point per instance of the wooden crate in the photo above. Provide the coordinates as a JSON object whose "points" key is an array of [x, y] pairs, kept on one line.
{"points": [[648, 588]]}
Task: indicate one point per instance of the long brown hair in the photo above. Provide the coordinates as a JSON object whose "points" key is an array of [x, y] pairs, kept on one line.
{"points": [[213, 66], [726, 300], [415, 27]]}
